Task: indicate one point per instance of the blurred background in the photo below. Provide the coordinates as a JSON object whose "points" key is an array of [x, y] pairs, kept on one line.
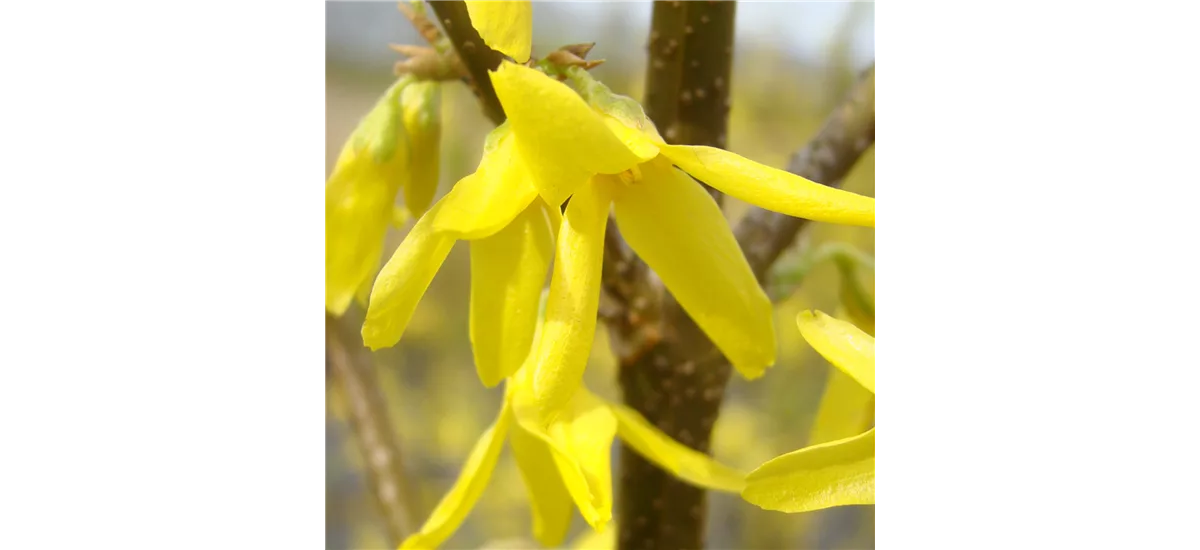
{"points": [[793, 62]]}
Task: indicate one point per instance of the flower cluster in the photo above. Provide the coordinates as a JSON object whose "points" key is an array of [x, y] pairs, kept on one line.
{"points": [[569, 140]]}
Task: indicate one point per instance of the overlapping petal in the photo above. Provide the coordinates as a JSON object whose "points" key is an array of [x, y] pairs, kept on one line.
{"points": [[570, 325], [560, 138], [508, 271], [847, 408], [455, 505], [838, 473], [687, 464], [403, 280], [580, 439], [772, 188], [678, 229], [506, 27], [359, 199], [358, 207], [488, 199], [421, 102], [842, 344], [549, 500]]}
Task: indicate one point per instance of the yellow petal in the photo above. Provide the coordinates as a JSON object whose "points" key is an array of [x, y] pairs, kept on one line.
{"points": [[506, 27], [359, 198], [570, 325], [561, 140], [380, 135], [596, 540], [772, 188], [508, 271], [487, 200], [846, 407], [548, 497], [838, 473], [421, 105], [674, 224], [842, 344], [358, 208], [455, 506], [636, 140], [580, 440], [403, 281], [687, 464]]}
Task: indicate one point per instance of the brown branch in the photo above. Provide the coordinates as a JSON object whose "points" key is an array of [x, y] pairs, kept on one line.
{"points": [[372, 430], [679, 382], [475, 55], [664, 71], [846, 135], [676, 379]]}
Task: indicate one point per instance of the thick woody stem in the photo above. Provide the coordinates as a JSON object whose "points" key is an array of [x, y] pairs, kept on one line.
{"points": [[373, 433], [662, 376]]}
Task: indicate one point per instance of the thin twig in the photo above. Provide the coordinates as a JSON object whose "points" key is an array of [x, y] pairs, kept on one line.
{"points": [[372, 431], [475, 55]]}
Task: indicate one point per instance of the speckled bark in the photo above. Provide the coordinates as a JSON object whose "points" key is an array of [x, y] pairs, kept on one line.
{"points": [[673, 375]]}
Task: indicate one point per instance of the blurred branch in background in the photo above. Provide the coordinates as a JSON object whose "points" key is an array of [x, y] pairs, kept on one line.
{"points": [[355, 377], [844, 137]]}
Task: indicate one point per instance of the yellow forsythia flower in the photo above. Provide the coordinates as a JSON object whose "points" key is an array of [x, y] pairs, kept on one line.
{"points": [[604, 154], [394, 147], [565, 462], [837, 473]]}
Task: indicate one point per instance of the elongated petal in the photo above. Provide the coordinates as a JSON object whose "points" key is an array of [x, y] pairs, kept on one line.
{"points": [[560, 138], [508, 271], [839, 473], [687, 464], [506, 27], [674, 224], [772, 188], [487, 200], [421, 103], [360, 196], [358, 208], [454, 507], [570, 325], [403, 281], [842, 344], [580, 440], [548, 497]]}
